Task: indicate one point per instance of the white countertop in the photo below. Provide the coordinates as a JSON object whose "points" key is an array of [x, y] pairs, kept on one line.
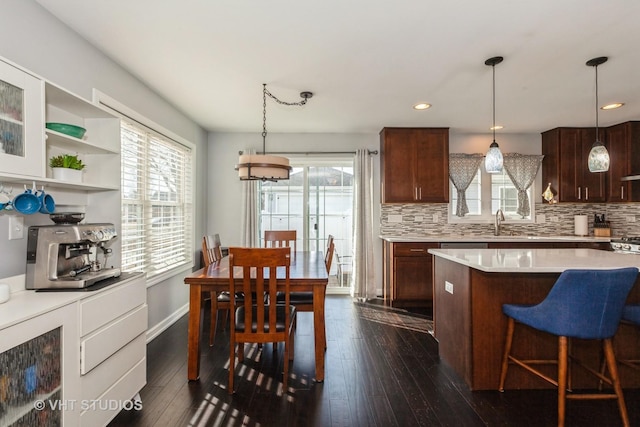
{"points": [[492, 238], [536, 260], [26, 304]]}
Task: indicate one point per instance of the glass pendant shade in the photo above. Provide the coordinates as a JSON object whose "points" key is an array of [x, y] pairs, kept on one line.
{"points": [[493, 159], [598, 158], [263, 167]]}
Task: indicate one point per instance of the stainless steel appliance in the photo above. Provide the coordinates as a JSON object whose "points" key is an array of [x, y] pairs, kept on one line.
{"points": [[626, 245], [67, 255]]}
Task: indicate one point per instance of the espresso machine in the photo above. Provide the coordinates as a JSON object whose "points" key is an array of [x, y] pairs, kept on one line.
{"points": [[66, 256]]}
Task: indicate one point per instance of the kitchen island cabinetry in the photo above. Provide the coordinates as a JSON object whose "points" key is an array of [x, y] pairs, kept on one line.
{"points": [[470, 287], [623, 143], [566, 151], [414, 165], [408, 271]]}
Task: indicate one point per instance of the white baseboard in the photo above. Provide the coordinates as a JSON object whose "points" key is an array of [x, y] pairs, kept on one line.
{"points": [[168, 321]]}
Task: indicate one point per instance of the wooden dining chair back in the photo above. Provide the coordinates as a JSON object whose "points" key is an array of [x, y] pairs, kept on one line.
{"points": [[280, 239], [258, 320], [220, 301], [211, 249], [328, 255]]}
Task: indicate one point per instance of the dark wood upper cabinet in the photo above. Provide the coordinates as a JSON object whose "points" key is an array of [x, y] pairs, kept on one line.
{"points": [[623, 143], [414, 165], [566, 151]]}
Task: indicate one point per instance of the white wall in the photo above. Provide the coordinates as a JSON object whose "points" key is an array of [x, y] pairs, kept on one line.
{"points": [[34, 39]]}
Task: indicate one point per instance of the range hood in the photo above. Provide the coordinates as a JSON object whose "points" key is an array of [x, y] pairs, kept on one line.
{"points": [[630, 178]]}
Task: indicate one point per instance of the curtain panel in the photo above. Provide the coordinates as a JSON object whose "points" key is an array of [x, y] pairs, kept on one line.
{"points": [[522, 170], [462, 170]]}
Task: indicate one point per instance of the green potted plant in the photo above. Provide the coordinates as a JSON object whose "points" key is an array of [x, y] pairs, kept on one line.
{"points": [[67, 167]]}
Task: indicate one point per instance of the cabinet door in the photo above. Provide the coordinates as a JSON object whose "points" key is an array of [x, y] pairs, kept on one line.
{"points": [[413, 278], [397, 158], [21, 123], [432, 165], [617, 145], [570, 172], [592, 183]]}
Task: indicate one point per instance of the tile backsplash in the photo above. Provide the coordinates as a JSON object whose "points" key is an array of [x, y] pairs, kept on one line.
{"points": [[431, 219]]}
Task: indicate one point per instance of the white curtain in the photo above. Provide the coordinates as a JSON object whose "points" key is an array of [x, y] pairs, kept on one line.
{"points": [[250, 208], [363, 286], [462, 169], [522, 169]]}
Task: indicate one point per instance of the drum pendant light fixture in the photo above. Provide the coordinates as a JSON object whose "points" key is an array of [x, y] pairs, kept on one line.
{"points": [[263, 166], [493, 159], [598, 156]]}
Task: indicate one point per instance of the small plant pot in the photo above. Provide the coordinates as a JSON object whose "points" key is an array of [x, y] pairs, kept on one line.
{"points": [[66, 174]]}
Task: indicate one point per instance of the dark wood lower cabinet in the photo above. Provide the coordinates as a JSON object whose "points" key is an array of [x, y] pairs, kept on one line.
{"points": [[408, 271]]}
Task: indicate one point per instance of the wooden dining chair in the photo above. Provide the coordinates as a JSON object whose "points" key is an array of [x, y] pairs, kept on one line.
{"points": [[258, 320], [220, 301], [280, 239]]}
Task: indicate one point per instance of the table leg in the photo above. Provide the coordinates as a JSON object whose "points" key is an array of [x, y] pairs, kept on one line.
{"points": [[193, 364], [319, 330]]}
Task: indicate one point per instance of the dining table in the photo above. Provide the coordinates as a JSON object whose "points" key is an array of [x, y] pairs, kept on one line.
{"points": [[307, 273]]}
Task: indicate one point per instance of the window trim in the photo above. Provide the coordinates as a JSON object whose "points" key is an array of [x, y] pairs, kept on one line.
{"points": [[127, 113]]}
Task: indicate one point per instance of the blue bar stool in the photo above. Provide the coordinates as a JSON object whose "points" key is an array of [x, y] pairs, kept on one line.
{"points": [[585, 304]]}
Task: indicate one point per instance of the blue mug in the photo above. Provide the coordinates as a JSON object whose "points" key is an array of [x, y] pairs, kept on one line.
{"points": [[27, 203], [47, 204]]}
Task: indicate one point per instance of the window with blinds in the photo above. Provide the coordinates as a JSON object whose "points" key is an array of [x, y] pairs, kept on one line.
{"points": [[156, 201]]}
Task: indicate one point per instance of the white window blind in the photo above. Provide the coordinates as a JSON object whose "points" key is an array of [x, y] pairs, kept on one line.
{"points": [[156, 201]]}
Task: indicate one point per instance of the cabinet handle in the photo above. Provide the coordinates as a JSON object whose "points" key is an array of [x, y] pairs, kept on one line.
{"points": [[622, 192], [586, 193], [579, 193], [420, 192], [416, 250], [416, 193]]}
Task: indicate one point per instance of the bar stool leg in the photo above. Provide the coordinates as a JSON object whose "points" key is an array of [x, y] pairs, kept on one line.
{"points": [[507, 351], [562, 379], [615, 380]]}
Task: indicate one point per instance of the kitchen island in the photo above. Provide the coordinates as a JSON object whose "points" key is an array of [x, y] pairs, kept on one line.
{"points": [[470, 287]]}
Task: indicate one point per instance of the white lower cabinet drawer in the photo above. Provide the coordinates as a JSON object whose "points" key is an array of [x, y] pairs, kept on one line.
{"points": [[96, 382], [101, 344], [98, 310], [102, 410]]}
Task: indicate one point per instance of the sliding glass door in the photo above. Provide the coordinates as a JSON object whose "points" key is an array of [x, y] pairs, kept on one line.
{"points": [[316, 201]]}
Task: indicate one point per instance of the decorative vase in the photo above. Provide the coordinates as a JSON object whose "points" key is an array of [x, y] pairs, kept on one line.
{"points": [[66, 174]]}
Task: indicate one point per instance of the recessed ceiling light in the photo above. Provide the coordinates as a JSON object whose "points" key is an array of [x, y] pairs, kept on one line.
{"points": [[421, 106], [496, 127], [612, 106]]}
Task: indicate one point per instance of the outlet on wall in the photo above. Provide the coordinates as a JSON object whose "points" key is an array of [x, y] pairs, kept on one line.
{"points": [[436, 218], [16, 227], [554, 219], [418, 219], [631, 218]]}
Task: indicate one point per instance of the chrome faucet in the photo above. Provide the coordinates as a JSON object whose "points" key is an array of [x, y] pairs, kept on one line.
{"points": [[499, 218]]}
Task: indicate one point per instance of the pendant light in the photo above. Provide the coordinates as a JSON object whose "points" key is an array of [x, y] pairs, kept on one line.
{"points": [[493, 159], [263, 166], [598, 156]]}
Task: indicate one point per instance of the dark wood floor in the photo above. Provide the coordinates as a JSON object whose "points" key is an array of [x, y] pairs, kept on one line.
{"points": [[376, 375]]}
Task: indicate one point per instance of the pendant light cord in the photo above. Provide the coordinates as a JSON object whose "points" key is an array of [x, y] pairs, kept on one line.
{"points": [[597, 137], [305, 95], [494, 102], [264, 118]]}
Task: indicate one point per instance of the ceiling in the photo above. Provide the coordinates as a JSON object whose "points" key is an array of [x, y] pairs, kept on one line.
{"points": [[367, 62]]}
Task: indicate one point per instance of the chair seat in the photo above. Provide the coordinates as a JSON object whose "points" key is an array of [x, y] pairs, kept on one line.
{"points": [[225, 296], [631, 313], [296, 297], [280, 318]]}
